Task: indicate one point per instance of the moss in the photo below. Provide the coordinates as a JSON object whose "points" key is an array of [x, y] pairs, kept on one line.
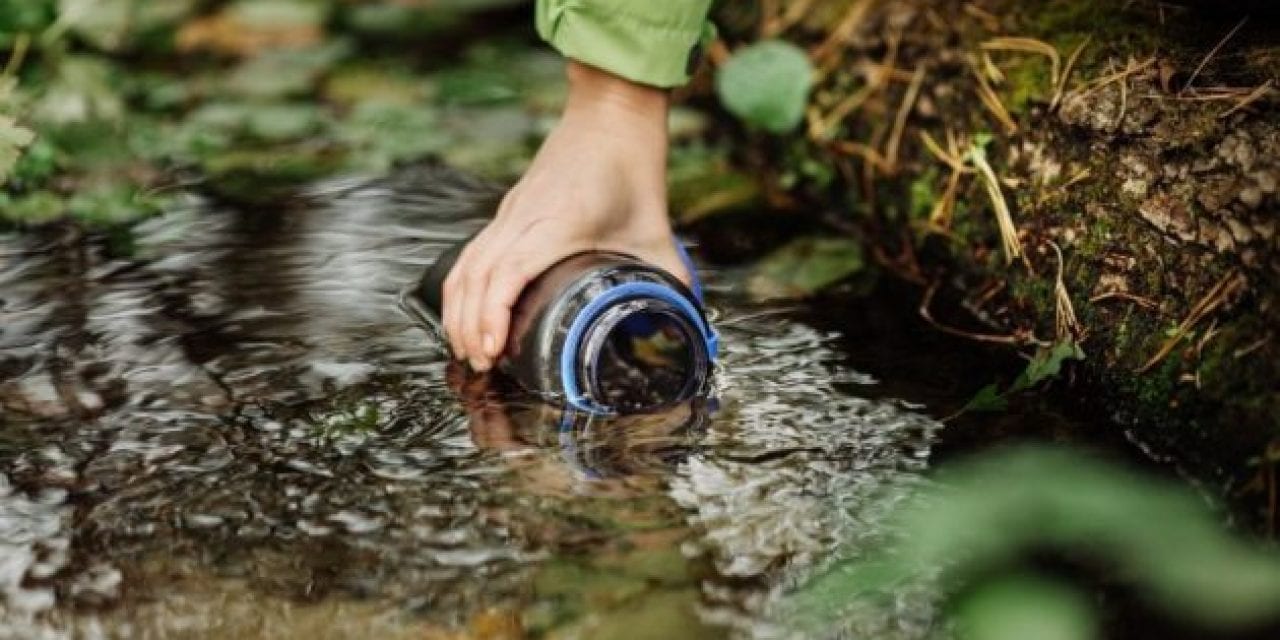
{"points": [[1027, 81]]}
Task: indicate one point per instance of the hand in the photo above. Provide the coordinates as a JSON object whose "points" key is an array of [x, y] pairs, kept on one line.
{"points": [[597, 183]]}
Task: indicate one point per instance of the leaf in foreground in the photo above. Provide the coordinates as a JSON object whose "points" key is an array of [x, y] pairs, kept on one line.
{"points": [[767, 85], [992, 513]]}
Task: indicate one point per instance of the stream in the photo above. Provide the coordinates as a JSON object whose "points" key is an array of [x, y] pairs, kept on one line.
{"points": [[223, 427]]}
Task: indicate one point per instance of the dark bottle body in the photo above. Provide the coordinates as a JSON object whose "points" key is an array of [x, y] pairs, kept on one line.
{"points": [[601, 331]]}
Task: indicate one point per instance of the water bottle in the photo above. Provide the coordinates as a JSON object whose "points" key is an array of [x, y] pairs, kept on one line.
{"points": [[602, 332]]}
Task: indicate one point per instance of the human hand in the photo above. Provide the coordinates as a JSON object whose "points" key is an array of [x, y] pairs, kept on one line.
{"points": [[597, 183]]}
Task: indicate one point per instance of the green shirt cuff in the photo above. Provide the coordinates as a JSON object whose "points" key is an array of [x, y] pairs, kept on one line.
{"points": [[653, 42]]}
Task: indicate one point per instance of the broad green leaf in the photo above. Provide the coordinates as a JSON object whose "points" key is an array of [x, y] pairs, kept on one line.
{"points": [[111, 205], [83, 90], [999, 510], [1021, 608], [282, 122], [284, 73], [33, 208], [382, 135], [280, 14], [805, 266], [767, 85], [114, 25], [1047, 363]]}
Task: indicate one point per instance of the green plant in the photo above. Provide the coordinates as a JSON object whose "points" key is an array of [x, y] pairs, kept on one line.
{"points": [[1046, 364], [767, 85], [975, 527]]}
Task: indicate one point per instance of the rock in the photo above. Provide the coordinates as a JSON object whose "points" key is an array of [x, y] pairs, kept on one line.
{"points": [[1170, 215], [1251, 197]]}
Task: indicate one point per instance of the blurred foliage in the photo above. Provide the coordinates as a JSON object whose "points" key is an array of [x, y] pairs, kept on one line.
{"points": [[767, 84], [978, 530], [805, 266], [105, 105]]}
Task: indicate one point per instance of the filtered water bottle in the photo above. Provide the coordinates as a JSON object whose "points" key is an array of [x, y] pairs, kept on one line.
{"points": [[603, 332]]}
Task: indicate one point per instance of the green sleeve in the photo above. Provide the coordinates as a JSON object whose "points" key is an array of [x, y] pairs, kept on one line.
{"points": [[647, 41]]}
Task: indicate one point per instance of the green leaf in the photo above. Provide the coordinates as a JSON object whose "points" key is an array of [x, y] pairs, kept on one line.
{"points": [[1001, 510], [805, 266], [767, 85], [1047, 363], [111, 205], [285, 73], [13, 139], [83, 90], [32, 209], [987, 398], [1019, 608], [376, 134]]}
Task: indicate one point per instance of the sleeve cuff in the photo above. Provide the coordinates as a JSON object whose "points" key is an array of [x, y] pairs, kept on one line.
{"points": [[653, 42]]}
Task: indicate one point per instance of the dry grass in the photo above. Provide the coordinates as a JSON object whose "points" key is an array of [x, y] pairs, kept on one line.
{"points": [[1066, 73], [991, 100], [1029, 45], [824, 55], [900, 120], [1065, 323], [1004, 218], [1217, 296], [1257, 94], [854, 101], [944, 207], [1209, 56]]}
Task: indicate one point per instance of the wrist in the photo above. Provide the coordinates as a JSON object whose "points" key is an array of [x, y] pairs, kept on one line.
{"points": [[595, 92]]}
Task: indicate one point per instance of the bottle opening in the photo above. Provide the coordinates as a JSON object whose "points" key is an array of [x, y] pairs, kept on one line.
{"points": [[643, 356]]}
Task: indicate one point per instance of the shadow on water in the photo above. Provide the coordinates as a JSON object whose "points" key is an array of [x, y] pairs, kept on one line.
{"points": [[235, 432]]}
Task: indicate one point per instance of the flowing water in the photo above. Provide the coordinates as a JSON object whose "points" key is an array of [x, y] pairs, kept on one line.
{"points": [[223, 427]]}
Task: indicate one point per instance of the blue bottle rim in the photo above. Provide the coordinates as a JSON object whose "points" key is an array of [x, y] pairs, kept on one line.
{"points": [[597, 306]]}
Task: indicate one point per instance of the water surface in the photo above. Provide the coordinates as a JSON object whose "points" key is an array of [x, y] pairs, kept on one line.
{"points": [[224, 428]]}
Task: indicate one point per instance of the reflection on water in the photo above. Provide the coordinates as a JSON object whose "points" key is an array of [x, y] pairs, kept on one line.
{"points": [[235, 432]]}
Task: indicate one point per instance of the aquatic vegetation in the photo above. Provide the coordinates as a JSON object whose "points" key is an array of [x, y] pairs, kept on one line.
{"points": [[107, 106]]}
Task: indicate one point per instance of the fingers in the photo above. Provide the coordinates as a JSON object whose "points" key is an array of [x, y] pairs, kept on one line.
{"points": [[494, 318], [452, 299], [476, 285], [478, 296]]}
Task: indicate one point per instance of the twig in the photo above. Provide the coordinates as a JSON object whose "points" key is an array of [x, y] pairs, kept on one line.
{"points": [[1254, 96], [1066, 73], [900, 121], [1029, 45], [792, 15], [989, 21], [856, 13], [1016, 340], [1146, 303], [1128, 70], [1212, 52], [1246, 350], [866, 152], [1124, 106], [1217, 295]]}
